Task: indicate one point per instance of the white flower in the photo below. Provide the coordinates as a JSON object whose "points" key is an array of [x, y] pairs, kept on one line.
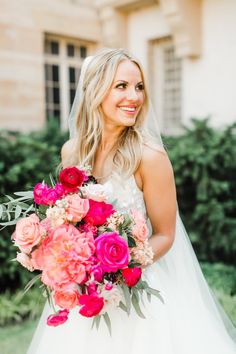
{"points": [[97, 192], [111, 297], [56, 215]]}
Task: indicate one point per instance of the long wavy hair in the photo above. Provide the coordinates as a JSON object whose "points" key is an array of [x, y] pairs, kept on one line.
{"points": [[98, 79]]}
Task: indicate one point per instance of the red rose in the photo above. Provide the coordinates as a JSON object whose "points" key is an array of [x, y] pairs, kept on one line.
{"points": [[71, 178], [98, 212], [58, 319], [131, 275], [92, 305]]}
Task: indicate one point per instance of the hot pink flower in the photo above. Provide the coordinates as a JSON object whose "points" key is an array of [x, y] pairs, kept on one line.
{"points": [[131, 275], [67, 297], [97, 272], [92, 305], [40, 193], [98, 212], [76, 208], [51, 196], [112, 251], [92, 288], [58, 319], [28, 233], [59, 190]]}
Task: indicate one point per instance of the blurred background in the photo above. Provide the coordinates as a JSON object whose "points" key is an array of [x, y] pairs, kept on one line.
{"points": [[188, 50]]}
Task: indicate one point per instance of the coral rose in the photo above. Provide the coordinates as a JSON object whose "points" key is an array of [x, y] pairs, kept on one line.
{"points": [[131, 275], [28, 233], [76, 207], [112, 251], [71, 178], [25, 261], [98, 212], [67, 297], [58, 319], [92, 305]]}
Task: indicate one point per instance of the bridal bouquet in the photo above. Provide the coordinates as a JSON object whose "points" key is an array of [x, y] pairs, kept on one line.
{"points": [[87, 254]]}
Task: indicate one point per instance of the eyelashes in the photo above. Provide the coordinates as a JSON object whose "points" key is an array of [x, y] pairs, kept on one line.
{"points": [[123, 85]]}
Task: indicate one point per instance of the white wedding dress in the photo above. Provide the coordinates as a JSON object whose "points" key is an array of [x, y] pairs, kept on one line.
{"points": [[189, 321]]}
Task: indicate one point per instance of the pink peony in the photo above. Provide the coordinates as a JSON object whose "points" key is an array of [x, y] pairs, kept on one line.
{"points": [[112, 251], [59, 190], [131, 275], [64, 255], [71, 178], [28, 233], [92, 288], [67, 297], [76, 207], [58, 319], [92, 305], [97, 272], [98, 212]]}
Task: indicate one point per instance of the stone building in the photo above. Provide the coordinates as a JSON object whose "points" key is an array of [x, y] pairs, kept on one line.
{"points": [[187, 47]]}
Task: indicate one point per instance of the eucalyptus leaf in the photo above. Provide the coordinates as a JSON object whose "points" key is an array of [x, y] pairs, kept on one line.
{"points": [[8, 223], [155, 293], [18, 211], [122, 306], [27, 194], [127, 296], [32, 282], [107, 321], [135, 302]]}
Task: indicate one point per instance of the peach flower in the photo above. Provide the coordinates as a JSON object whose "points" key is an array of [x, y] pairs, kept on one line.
{"points": [[140, 229], [76, 207], [67, 297], [28, 233]]}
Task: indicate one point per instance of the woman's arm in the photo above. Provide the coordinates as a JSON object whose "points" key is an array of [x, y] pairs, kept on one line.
{"points": [[66, 151], [160, 198]]}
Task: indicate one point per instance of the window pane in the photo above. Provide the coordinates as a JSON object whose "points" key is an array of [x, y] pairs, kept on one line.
{"points": [[56, 95], [71, 74], [70, 50], [54, 47], [55, 73], [83, 52]]}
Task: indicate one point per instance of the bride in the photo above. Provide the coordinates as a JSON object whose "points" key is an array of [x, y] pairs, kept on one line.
{"points": [[113, 130]]}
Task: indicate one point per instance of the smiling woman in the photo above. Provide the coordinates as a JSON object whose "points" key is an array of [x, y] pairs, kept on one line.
{"points": [[111, 137]]}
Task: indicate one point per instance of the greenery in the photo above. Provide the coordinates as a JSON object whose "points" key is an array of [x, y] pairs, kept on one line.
{"points": [[204, 162]]}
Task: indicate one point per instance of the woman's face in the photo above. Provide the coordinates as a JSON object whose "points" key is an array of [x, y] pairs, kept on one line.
{"points": [[126, 96]]}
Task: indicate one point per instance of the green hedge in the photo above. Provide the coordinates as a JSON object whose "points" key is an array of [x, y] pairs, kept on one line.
{"points": [[204, 162]]}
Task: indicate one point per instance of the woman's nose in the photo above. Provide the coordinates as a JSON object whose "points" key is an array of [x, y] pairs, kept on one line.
{"points": [[132, 94]]}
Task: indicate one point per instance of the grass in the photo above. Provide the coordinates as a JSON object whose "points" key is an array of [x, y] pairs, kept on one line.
{"points": [[220, 277]]}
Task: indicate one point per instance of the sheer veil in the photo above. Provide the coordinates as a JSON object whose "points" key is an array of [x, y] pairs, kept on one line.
{"points": [[181, 255]]}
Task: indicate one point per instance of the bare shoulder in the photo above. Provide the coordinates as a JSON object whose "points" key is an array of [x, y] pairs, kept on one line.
{"points": [[66, 149], [155, 164]]}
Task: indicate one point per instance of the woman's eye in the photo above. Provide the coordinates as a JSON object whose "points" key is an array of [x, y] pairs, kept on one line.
{"points": [[121, 85], [140, 87]]}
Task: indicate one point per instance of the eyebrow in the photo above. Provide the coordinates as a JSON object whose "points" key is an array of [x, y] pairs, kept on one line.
{"points": [[140, 82]]}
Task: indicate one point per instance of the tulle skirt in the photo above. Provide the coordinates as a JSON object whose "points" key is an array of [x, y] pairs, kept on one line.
{"points": [[189, 322]]}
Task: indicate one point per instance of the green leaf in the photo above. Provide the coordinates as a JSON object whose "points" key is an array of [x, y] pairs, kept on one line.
{"points": [[96, 321], [18, 211], [155, 293], [32, 282], [131, 242], [107, 321], [122, 306], [26, 194], [135, 302], [127, 296]]}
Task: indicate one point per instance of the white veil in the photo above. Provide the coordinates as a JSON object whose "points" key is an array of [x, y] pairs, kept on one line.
{"points": [[182, 254]]}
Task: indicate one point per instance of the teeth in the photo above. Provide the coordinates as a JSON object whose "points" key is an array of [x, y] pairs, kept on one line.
{"points": [[127, 109]]}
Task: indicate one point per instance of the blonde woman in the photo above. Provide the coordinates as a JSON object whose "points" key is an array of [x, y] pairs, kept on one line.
{"points": [[109, 128]]}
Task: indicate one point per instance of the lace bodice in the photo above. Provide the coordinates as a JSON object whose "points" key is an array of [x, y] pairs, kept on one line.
{"points": [[126, 195]]}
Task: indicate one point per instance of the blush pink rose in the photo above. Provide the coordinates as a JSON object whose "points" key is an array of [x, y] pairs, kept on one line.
{"points": [[58, 319], [98, 212], [67, 297], [92, 305], [140, 229], [131, 275], [25, 261], [76, 208], [112, 251], [28, 233]]}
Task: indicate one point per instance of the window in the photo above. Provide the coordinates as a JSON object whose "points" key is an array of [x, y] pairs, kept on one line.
{"points": [[167, 85], [63, 60]]}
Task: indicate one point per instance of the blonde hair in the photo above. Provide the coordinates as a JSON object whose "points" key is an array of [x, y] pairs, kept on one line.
{"points": [[97, 81]]}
